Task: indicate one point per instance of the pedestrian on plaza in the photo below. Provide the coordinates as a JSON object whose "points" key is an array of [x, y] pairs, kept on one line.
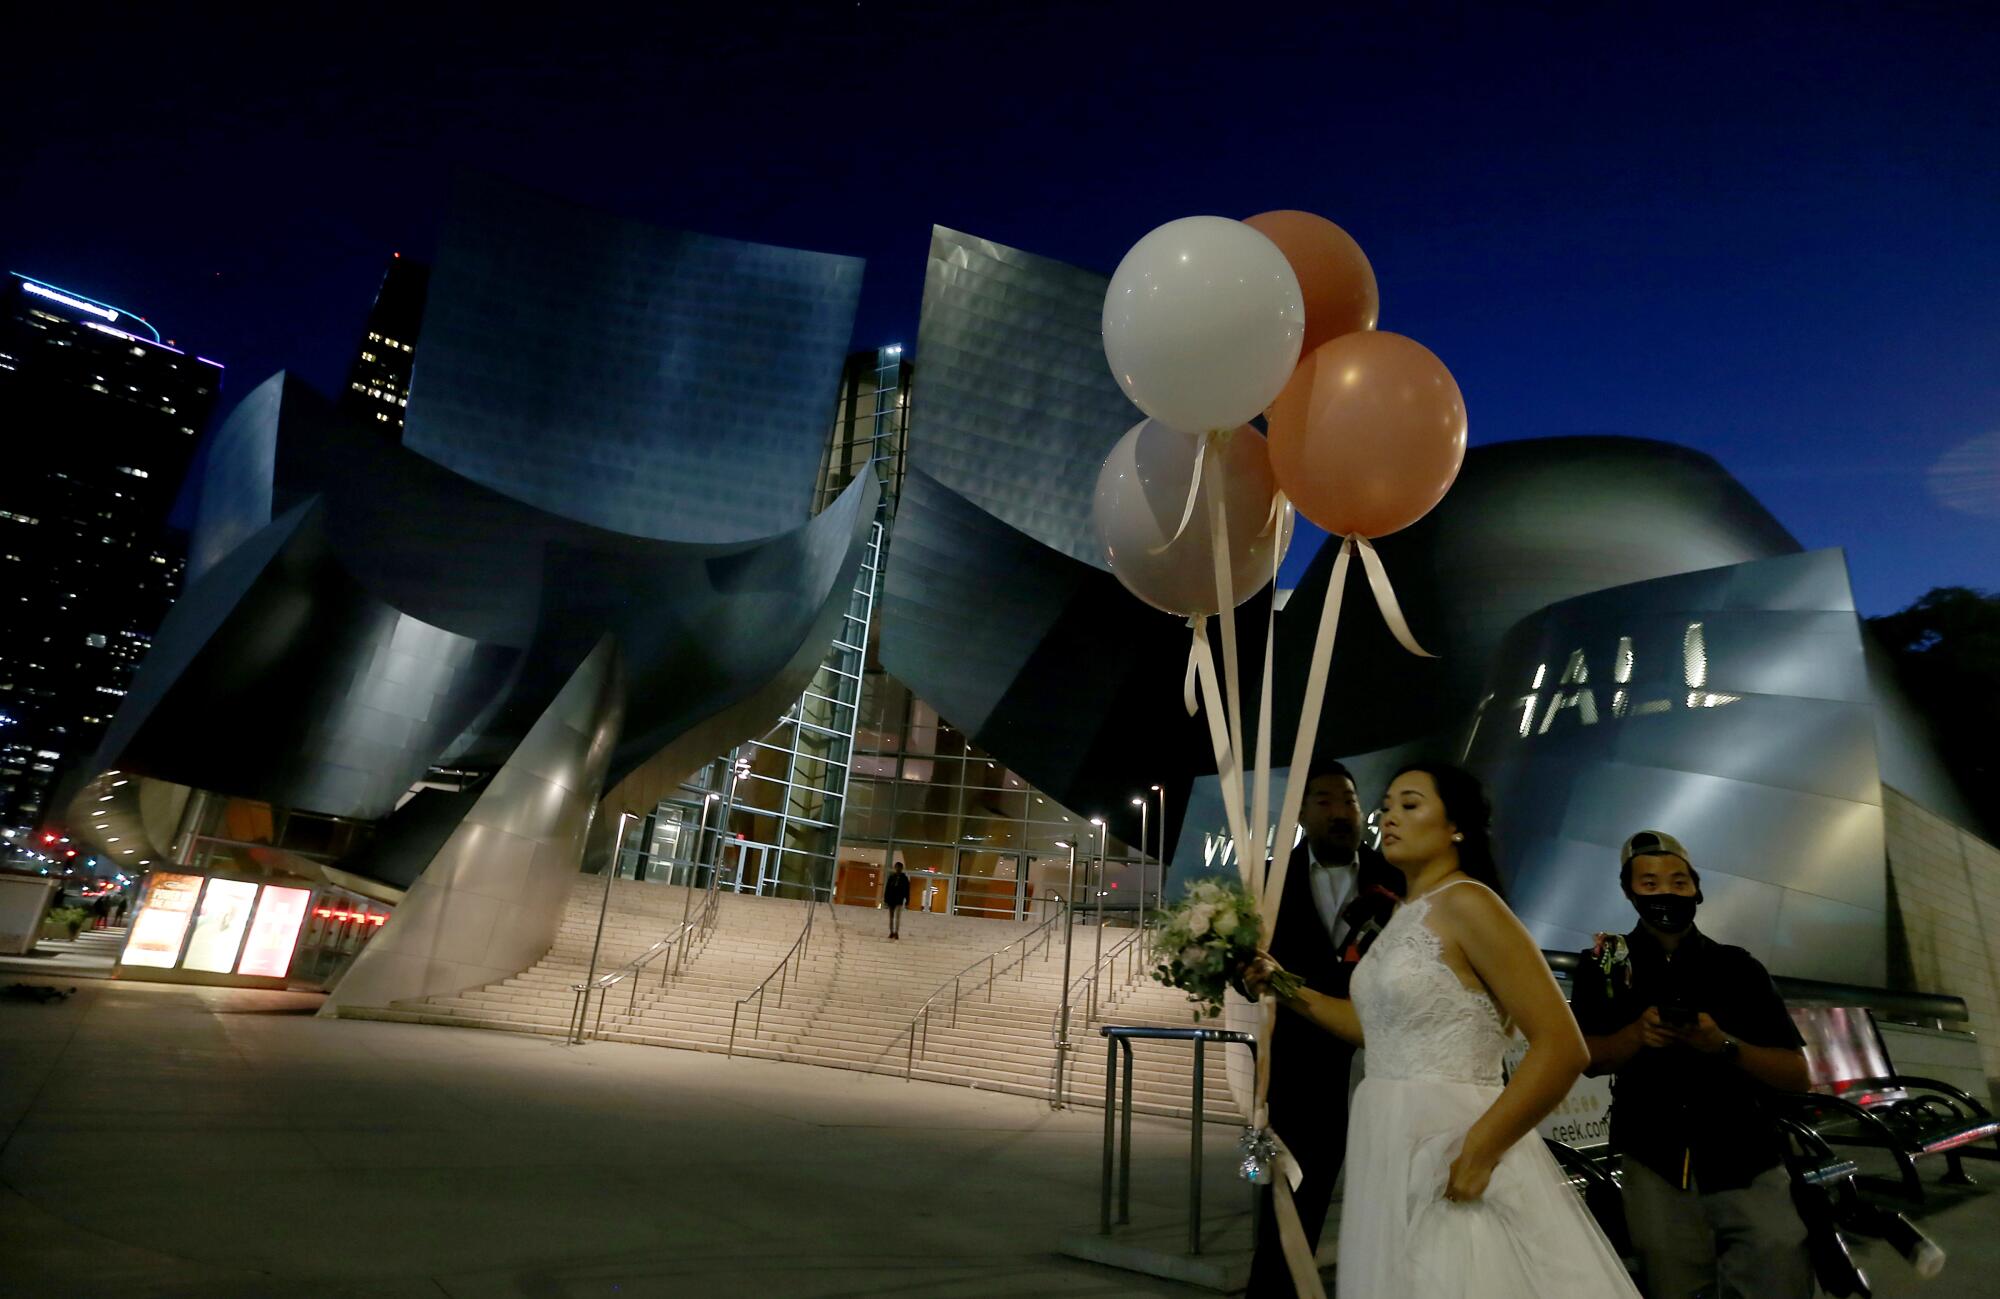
{"points": [[895, 895], [1698, 1042], [118, 910], [100, 911], [1338, 895]]}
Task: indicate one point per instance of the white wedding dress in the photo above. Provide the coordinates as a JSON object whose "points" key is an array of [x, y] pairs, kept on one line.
{"points": [[1434, 1052]]}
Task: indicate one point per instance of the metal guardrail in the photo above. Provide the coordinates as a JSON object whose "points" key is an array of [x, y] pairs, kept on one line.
{"points": [[691, 930], [801, 946], [1119, 1038], [920, 1023], [1132, 948]]}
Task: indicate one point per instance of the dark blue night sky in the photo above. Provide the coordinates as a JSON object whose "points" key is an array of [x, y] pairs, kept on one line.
{"points": [[1775, 238]]}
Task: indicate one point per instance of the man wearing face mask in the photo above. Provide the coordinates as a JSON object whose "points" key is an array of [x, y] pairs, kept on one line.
{"points": [[1696, 1038]]}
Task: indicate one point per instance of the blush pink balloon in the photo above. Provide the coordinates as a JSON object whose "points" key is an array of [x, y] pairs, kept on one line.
{"points": [[1335, 279], [1369, 434]]}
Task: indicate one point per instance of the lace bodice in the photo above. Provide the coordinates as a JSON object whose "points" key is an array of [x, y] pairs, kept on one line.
{"points": [[1420, 1022]]}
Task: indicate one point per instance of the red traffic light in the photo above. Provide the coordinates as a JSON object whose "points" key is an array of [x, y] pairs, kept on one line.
{"points": [[49, 836]]}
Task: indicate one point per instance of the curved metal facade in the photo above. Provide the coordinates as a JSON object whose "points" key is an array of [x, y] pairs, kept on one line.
{"points": [[488, 905], [1526, 524], [1015, 405], [1041, 660], [1731, 708], [397, 615], [652, 382]]}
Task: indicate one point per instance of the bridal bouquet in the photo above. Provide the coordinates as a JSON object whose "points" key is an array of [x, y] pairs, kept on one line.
{"points": [[1208, 941]]}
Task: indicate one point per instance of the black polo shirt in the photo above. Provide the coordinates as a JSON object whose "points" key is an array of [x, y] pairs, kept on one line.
{"points": [[1692, 1118]]}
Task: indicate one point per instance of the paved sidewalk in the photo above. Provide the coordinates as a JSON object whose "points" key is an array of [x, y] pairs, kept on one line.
{"points": [[164, 1140], [91, 955]]}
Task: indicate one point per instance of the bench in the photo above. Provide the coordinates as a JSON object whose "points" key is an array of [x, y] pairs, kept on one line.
{"points": [[1858, 1098], [1823, 1189]]}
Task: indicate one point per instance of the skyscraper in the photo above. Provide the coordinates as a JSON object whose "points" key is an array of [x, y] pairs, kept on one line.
{"points": [[103, 416], [378, 383]]}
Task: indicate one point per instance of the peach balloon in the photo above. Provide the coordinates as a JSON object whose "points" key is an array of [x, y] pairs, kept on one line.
{"points": [[1335, 278], [1369, 434]]}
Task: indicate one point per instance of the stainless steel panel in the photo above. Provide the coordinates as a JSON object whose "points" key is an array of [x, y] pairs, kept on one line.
{"points": [[1013, 406], [652, 382]]}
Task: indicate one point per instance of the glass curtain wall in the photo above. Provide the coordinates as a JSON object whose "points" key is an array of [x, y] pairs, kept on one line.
{"points": [[870, 426], [786, 791], [976, 838]]}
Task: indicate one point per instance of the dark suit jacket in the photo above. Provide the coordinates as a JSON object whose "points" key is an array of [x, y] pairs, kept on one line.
{"points": [[1309, 1076]]}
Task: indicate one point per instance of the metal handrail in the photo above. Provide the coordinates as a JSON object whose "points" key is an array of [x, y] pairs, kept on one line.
{"points": [[924, 1012], [799, 948], [1130, 947], [701, 926], [1117, 1038]]}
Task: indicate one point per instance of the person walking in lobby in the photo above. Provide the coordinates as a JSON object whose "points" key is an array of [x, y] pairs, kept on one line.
{"points": [[1338, 895], [895, 896], [1696, 1038]]}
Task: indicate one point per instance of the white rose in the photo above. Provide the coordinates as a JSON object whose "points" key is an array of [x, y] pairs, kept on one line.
{"points": [[1198, 919], [1225, 924]]}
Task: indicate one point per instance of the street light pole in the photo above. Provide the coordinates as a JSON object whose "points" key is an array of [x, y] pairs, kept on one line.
{"points": [[1069, 927], [687, 898], [1160, 886], [1103, 846], [1140, 803], [610, 877]]}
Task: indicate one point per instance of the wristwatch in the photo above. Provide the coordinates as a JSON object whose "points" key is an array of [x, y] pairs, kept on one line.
{"points": [[1731, 1048]]}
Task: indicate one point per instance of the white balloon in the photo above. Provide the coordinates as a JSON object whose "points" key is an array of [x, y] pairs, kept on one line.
{"points": [[1142, 493], [1203, 322]]}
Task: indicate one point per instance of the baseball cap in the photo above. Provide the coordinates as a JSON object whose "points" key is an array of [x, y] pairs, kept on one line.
{"points": [[1648, 843]]}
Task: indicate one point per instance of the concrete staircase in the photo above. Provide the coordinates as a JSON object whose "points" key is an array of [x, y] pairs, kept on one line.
{"points": [[848, 1003]]}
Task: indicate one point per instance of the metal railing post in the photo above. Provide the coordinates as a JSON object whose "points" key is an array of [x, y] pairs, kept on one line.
{"points": [[1194, 1149], [1125, 1157], [1110, 1135]]}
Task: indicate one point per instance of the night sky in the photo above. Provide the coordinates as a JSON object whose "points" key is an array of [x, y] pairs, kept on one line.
{"points": [[1775, 238]]}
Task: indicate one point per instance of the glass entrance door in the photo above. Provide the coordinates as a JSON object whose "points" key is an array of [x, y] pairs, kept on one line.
{"points": [[989, 884], [748, 867]]}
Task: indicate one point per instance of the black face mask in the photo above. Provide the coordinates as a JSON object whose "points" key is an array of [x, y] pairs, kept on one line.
{"points": [[1670, 913]]}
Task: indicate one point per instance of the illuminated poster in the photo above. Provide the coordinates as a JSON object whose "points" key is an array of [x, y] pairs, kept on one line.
{"points": [[219, 926], [272, 933], [162, 922]]}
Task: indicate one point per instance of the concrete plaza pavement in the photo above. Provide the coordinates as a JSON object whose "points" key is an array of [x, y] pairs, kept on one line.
{"points": [[179, 1141], [161, 1140]]}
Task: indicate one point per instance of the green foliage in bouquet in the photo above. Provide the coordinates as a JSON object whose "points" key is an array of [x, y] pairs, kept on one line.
{"points": [[1208, 941]]}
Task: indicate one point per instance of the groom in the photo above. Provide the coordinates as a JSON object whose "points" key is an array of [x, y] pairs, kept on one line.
{"points": [[1338, 895]]}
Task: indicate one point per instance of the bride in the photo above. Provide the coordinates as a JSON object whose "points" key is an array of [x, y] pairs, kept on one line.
{"points": [[1449, 1191]]}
